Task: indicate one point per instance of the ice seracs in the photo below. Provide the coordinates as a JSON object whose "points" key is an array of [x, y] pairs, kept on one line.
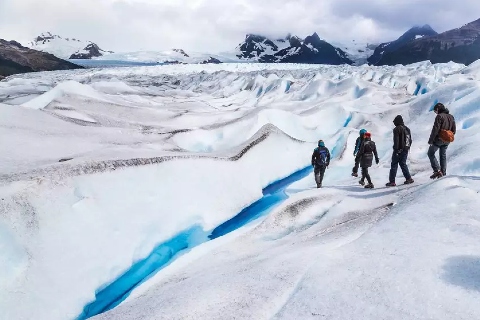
{"points": [[156, 152]]}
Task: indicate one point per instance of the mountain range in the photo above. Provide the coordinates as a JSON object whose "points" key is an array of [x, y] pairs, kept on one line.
{"points": [[15, 58], [66, 48], [420, 43], [292, 49]]}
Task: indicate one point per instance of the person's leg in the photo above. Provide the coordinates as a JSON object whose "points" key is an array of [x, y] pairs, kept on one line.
{"points": [[362, 180], [316, 172], [403, 165], [433, 160], [443, 158], [322, 174], [367, 175], [355, 167], [393, 167]]}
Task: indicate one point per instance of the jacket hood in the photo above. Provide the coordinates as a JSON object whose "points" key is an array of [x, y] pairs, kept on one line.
{"points": [[440, 108], [398, 120]]}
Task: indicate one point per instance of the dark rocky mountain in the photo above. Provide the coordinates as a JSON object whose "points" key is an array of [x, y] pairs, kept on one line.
{"points": [[291, 49], [90, 51], [413, 34], [182, 52], [254, 46], [15, 58], [211, 60], [461, 45]]}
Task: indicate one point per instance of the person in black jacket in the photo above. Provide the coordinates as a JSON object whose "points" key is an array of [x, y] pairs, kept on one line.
{"points": [[320, 161], [402, 140], [443, 121], [365, 156], [358, 144]]}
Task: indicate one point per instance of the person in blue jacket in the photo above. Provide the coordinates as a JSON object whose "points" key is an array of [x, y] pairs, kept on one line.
{"points": [[320, 162], [358, 145]]}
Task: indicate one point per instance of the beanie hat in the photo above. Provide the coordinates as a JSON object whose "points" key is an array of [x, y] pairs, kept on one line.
{"points": [[367, 135], [321, 143], [362, 132]]}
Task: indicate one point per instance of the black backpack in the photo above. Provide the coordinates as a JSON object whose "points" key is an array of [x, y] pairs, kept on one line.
{"points": [[321, 157]]}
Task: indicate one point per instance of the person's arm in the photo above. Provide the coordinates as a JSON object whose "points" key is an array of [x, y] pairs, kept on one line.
{"points": [[360, 152], [357, 146], [328, 157], [375, 153], [454, 126], [313, 158], [396, 139], [435, 129]]}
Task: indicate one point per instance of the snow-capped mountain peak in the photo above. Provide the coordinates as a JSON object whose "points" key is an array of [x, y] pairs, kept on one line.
{"points": [[312, 49], [66, 48]]}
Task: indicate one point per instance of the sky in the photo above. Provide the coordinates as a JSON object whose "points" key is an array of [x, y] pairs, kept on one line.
{"points": [[220, 25]]}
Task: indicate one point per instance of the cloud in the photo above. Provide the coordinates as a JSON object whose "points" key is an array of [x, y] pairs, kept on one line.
{"points": [[219, 25]]}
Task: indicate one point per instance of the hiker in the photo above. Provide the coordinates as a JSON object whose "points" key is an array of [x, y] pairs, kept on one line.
{"points": [[320, 161], [358, 144], [365, 155], [443, 132], [402, 140]]}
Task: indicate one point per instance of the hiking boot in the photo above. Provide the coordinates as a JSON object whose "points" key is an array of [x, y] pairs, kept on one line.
{"points": [[354, 174], [319, 185], [409, 181], [369, 186], [436, 175], [391, 184], [361, 182]]}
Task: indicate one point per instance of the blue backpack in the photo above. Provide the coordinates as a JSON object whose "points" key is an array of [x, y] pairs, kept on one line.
{"points": [[322, 157]]}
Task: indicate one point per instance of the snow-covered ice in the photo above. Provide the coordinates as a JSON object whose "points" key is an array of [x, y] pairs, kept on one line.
{"points": [[100, 167]]}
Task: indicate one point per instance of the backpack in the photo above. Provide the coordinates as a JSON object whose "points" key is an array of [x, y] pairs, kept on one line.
{"points": [[408, 138], [322, 157], [446, 135]]}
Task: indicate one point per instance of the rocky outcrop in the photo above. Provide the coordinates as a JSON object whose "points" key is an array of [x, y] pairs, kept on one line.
{"points": [[15, 58], [211, 60], [90, 51]]}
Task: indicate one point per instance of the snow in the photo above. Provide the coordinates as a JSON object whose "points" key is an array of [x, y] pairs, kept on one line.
{"points": [[266, 49], [60, 47], [418, 36], [357, 51], [165, 56], [177, 151]]}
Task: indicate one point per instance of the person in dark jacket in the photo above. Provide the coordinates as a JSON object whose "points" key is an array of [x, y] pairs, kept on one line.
{"points": [[443, 121], [365, 156], [320, 161], [402, 141], [358, 144]]}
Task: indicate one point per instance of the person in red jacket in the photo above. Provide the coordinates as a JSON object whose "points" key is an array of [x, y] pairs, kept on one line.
{"points": [[443, 121], [365, 156]]}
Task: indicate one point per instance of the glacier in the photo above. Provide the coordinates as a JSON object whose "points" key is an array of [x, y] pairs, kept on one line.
{"points": [[101, 168]]}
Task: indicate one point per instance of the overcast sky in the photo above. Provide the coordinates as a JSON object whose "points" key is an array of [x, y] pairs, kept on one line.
{"points": [[219, 25]]}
